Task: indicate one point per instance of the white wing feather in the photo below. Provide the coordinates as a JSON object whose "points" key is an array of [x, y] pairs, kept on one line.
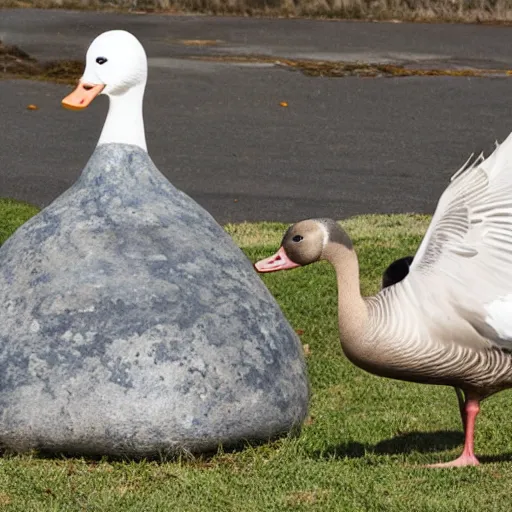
{"points": [[467, 249]]}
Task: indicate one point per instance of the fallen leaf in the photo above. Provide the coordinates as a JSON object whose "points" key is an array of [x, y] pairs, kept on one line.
{"points": [[300, 332], [307, 350], [283, 104], [32, 107]]}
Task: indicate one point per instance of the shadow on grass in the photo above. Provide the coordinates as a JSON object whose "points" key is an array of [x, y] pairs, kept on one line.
{"points": [[488, 459], [423, 442], [201, 456]]}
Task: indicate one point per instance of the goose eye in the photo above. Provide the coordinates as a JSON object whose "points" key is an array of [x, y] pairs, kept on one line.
{"points": [[297, 238], [101, 60]]}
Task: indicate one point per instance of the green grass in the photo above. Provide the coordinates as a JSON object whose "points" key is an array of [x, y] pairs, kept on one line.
{"points": [[12, 215], [359, 451]]}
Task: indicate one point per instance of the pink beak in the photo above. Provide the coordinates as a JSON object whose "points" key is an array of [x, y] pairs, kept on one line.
{"points": [[279, 261]]}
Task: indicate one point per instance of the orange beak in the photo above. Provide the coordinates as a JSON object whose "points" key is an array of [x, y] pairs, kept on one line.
{"points": [[82, 96]]}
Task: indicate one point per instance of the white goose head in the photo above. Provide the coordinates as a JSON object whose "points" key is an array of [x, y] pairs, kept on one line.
{"points": [[116, 65]]}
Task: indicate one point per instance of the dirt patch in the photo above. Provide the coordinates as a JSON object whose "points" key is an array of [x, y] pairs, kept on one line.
{"points": [[5, 499], [359, 69], [15, 63]]}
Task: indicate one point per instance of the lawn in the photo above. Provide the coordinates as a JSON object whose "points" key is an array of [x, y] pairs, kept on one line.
{"points": [[361, 448]]}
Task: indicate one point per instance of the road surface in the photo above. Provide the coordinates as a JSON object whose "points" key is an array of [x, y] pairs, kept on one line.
{"points": [[342, 146]]}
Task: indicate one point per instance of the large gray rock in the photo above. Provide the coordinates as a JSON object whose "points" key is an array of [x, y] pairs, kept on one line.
{"points": [[131, 324]]}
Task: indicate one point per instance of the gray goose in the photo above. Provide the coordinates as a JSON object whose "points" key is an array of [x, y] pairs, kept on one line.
{"points": [[393, 274], [449, 321]]}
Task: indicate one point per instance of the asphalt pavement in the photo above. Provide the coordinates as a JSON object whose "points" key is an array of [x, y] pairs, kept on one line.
{"points": [[342, 146]]}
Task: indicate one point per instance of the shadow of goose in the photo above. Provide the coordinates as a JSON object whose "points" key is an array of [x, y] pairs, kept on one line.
{"points": [[422, 442], [502, 457]]}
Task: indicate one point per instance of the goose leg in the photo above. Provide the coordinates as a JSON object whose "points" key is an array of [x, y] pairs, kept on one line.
{"points": [[471, 410], [461, 400]]}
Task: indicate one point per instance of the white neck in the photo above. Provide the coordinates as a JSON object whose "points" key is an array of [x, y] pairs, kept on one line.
{"points": [[125, 123]]}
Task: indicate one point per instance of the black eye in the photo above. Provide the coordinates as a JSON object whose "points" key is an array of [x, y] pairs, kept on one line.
{"points": [[297, 238], [101, 60]]}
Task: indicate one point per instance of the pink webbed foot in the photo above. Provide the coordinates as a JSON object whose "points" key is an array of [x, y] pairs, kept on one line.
{"points": [[469, 414], [463, 460]]}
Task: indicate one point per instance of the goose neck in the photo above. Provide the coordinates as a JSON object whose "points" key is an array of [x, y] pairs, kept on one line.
{"points": [[353, 315], [125, 122]]}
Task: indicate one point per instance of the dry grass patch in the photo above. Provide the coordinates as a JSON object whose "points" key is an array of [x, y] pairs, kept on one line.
{"points": [[15, 63], [299, 498], [469, 11], [360, 69], [4, 499]]}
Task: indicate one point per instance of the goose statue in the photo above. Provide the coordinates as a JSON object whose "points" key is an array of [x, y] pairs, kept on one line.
{"points": [[449, 321], [131, 324]]}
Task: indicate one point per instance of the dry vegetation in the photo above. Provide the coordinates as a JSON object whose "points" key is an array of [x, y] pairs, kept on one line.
{"points": [[360, 69], [418, 10], [15, 63]]}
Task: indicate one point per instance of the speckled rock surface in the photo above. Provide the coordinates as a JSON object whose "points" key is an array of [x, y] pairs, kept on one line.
{"points": [[132, 325]]}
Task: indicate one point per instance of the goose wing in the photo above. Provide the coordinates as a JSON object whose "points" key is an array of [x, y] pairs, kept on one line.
{"points": [[466, 254]]}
